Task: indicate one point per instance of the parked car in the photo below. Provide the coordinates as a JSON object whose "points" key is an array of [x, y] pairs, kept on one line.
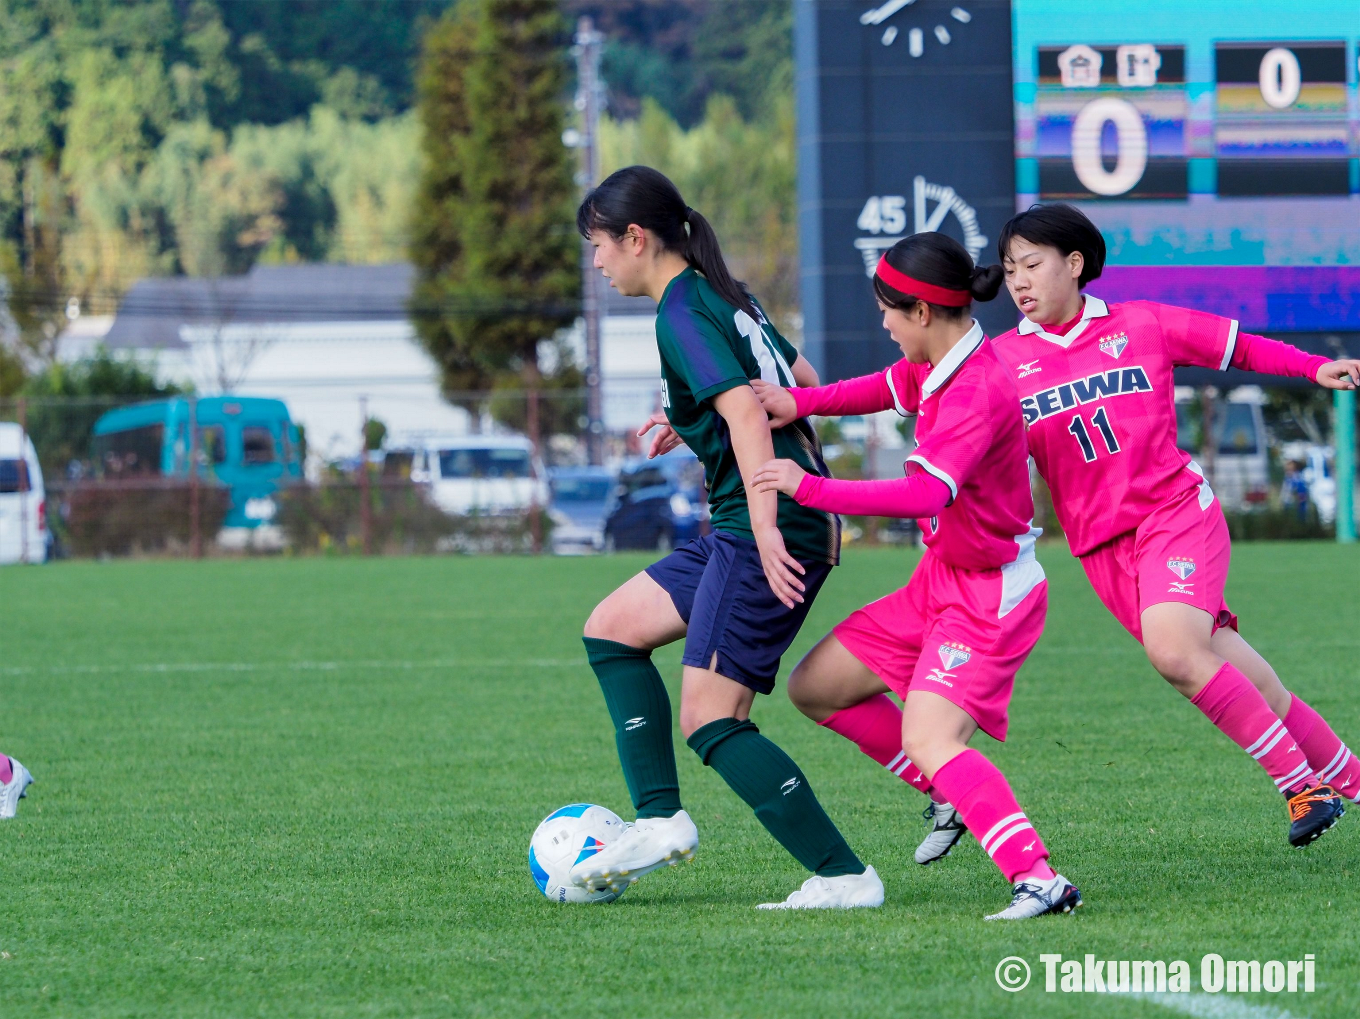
{"points": [[24, 536], [1241, 466], [485, 474], [657, 504], [249, 444], [579, 498]]}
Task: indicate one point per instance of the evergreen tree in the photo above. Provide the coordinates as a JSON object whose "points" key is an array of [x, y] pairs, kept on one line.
{"points": [[495, 246], [436, 227]]}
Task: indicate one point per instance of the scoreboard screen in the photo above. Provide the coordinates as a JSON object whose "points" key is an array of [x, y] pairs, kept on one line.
{"points": [[1221, 138], [1216, 143]]}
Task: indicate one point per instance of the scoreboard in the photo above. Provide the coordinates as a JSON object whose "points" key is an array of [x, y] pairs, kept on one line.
{"points": [[1216, 143]]}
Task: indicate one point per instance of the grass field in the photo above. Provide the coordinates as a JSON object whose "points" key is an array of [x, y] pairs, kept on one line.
{"points": [[306, 787]]}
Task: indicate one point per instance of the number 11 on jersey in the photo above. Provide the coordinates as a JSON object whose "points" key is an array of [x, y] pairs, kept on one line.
{"points": [[1077, 426]]}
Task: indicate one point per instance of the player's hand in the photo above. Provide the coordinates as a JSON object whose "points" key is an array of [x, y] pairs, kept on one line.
{"points": [[1342, 374], [781, 569], [777, 401], [663, 441], [779, 476]]}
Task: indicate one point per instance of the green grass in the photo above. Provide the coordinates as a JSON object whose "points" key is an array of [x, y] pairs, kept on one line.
{"points": [[306, 788]]}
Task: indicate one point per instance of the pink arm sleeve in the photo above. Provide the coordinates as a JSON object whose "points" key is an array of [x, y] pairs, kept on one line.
{"points": [[1271, 357], [917, 495], [864, 395]]}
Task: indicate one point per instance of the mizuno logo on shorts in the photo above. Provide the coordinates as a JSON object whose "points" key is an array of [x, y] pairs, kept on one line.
{"points": [[1048, 402]]}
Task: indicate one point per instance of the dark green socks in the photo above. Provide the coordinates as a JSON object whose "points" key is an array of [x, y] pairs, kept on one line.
{"points": [[774, 787], [641, 711]]}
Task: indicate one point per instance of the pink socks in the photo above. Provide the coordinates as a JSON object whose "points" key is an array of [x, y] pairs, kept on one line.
{"points": [[1238, 709], [6, 772], [875, 726], [983, 796], [1331, 758]]}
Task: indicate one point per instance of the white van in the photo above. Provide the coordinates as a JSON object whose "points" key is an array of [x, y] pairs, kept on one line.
{"points": [[23, 503], [486, 474], [1241, 468]]}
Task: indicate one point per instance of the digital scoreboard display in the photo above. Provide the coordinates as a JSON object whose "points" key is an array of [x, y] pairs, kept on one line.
{"points": [[1216, 144]]}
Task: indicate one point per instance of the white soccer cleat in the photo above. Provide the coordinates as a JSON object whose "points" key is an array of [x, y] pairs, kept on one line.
{"points": [[13, 790], [647, 844], [849, 891], [1035, 898], [944, 836]]}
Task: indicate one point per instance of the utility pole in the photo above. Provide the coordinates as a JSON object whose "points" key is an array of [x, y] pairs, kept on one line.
{"points": [[589, 99]]}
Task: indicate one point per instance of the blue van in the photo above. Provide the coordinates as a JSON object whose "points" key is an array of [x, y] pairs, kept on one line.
{"points": [[246, 443]]}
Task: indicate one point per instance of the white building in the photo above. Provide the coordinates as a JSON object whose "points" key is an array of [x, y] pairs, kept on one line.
{"points": [[322, 338]]}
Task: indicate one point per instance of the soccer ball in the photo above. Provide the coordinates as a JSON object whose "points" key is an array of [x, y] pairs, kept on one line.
{"points": [[564, 839]]}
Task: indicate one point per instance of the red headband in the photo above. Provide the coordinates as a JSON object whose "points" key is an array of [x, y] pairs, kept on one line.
{"points": [[927, 292]]}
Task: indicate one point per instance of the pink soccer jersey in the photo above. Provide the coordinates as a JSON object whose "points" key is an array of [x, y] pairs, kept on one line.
{"points": [[1099, 407], [969, 435]]}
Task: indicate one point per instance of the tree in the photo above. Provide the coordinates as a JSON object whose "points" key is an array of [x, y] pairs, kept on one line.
{"points": [[67, 399], [493, 239], [436, 234]]}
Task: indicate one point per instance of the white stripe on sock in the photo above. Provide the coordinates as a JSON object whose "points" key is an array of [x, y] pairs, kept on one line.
{"points": [[1332, 772], [1264, 736], [894, 762], [996, 828], [1292, 777], [902, 767], [1271, 745], [1022, 826]]}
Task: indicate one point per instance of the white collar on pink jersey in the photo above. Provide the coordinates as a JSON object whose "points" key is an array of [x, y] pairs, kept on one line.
{"points": [[953, 361], [1094, 308]]}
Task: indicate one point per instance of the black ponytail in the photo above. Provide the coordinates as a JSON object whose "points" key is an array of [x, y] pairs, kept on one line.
{"points": [[940, 261], [641, 195]]}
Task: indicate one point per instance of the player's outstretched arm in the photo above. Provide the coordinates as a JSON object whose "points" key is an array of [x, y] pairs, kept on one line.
{"points": [[917, 495], [751, 442], [867, 394], [1342, 374], [664, 440]]}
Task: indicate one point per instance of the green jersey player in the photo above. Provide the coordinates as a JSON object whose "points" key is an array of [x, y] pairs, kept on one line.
{"points": [[736, 596]]}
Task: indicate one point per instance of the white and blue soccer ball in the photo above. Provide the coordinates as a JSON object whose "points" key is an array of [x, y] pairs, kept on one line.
{"points": [[565, 838]]}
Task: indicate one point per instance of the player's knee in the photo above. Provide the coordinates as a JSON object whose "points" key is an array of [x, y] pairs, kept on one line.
{"points": [[802, 689], [919, 740], [602, 623], [693, 717], [1176, 665]]}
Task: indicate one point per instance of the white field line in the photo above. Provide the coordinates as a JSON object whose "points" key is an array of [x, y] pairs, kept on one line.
{"points": [[300, 666], [1216, 1006]]}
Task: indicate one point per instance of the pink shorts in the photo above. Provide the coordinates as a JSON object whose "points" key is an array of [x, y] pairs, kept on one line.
{"points": [[962, 634], [1180, 553]]}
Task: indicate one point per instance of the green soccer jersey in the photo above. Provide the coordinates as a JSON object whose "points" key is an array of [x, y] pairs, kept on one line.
{"points": [[708, 347]]}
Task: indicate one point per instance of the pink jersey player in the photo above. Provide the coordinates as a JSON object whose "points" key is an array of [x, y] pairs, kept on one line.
{"points": [[1096, 389], [951, 641]]}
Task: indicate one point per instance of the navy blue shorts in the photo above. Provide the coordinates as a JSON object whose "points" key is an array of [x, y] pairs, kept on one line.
{"points": [[719, 588]]}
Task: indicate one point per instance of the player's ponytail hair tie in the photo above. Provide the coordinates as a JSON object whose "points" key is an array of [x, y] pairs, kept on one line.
{"points": [[928, 292]]}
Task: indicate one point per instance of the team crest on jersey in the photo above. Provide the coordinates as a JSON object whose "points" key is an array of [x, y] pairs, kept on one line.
{"points": [[1114, 345]]}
